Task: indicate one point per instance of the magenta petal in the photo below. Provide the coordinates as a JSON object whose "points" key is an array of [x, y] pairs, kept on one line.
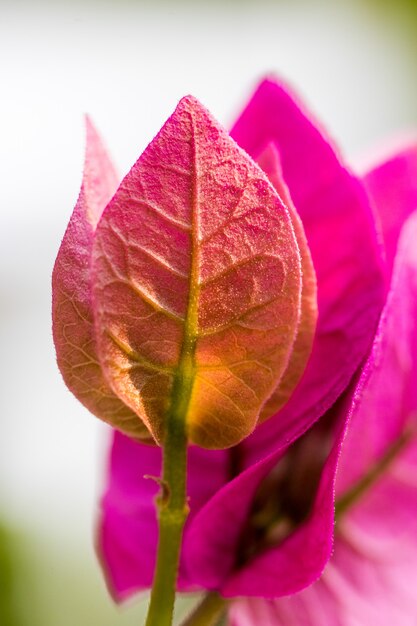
{"points": [[301, 558], [393, 189], [371, 576], [341, 234], [127, 530], [216, 530], [378, 547], [388, 400], [213, 535]]}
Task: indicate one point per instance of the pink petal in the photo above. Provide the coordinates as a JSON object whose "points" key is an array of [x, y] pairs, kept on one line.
{"points": [[127, 530], [370, 578], [341, 234], [71, 288], [387, 400], [197, 276], [393, 190], [299, 559], [214, 535], [309, 608]]}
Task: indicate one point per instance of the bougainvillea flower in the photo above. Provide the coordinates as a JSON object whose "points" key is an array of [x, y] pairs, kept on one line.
{"points": [[370, 578], [188, 292], [338, 222]]}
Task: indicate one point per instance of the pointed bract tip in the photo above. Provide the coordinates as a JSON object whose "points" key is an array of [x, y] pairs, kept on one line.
{"points": [[190, 107], [88, 121], [91, 132], [270, 79], [189, 103], [272, 82]]}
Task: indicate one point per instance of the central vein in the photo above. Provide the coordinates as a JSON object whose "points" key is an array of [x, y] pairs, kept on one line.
{"points": [[172, 503], [186, 369]]}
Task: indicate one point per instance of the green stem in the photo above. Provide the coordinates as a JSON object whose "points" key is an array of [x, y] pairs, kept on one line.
{"points": [[208, 612], [172, 513], [172, 504]]}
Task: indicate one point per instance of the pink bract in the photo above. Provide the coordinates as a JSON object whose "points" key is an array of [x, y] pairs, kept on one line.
{"points": [[72, 313], [269, 162], [183, 286], [196, 272], [339, 225]]}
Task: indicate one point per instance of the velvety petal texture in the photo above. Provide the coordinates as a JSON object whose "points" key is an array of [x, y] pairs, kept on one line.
{"points": [[72, 314], [196, 282], [370, 578], [388, 402], [340, 230]]}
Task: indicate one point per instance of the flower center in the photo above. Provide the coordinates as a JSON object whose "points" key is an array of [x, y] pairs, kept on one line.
{"points": [[285, 497]]}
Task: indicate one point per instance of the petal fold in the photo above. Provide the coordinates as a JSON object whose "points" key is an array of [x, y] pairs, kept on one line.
{"points": [[285, 566]]}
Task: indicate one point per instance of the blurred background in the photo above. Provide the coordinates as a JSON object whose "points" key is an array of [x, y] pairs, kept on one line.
{"points": [[127, 64]]}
